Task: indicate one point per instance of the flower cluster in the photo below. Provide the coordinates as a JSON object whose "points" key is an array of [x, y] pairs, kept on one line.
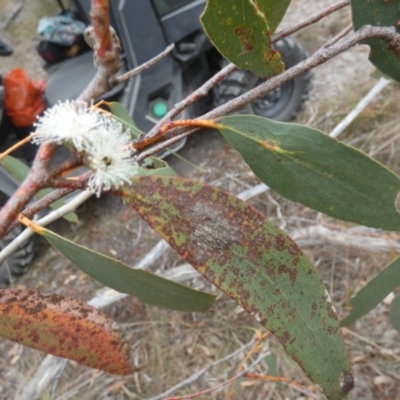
{"points": [[101, 140], [67, 122]]}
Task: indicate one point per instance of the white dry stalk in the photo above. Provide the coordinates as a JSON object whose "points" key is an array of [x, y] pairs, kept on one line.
{"points": [[367, 239], [360, 107], [51, 217]]}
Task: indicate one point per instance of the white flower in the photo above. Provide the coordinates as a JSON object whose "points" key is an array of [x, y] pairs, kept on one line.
{"points": [[99, 139], [109, 156], [67, 122]]}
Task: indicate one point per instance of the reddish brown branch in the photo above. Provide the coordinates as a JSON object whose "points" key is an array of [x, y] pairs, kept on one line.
{"points": [[100, 15], [51, 198], [107, 51], [36, 180], [165, 144], [202, 91], [72, 184]]}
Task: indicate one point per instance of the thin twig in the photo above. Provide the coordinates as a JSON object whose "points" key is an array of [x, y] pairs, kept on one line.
{"points": [[288, 382], [260, 338], [319, 57], [15, 146], [130, 74], [165, 144], [375, 151], [312, 19], [202, 91], [213, 389], [370, 342], [340, 35]]}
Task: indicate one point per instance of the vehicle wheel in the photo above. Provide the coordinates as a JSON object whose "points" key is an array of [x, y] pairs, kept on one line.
{"points": [[18, 263], [281, 104]]}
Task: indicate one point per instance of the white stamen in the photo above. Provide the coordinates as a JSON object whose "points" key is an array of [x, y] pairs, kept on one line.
{"points": [[67, 122], [101, 141], [109, 157]]}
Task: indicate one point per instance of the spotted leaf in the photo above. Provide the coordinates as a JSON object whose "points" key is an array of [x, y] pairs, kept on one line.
{"points": [[64, 327], [240, 31], [255, 263]]}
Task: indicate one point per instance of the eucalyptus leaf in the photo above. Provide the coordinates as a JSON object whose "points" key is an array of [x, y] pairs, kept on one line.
{"points": [[147, 287], [64, 327], [240, 32], [379, 13], [307, 166], [121, 114], [273, 11], [374, 292], [255, 263]]}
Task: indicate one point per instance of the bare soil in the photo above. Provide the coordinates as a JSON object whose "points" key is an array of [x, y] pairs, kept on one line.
{"points": [[176, 345]]}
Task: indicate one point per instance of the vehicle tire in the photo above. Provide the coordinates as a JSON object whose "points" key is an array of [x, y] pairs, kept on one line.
{"points": [[281, 104], [18, 263]]}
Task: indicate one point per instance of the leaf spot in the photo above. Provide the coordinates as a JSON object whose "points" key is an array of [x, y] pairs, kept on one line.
{"points": [[269, 145]]}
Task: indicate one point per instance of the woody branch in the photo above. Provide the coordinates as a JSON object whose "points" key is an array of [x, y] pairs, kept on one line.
{"points": [[107, 60]]}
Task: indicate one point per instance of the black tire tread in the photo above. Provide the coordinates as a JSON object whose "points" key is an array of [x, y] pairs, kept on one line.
{"points": [[237, 82], [18, 263]]}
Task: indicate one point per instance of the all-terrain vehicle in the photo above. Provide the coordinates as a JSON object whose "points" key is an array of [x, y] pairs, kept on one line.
{"points": [[146, 28]]}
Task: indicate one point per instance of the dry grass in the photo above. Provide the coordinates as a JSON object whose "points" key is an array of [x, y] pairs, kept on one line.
{"points": [[171, 346]]}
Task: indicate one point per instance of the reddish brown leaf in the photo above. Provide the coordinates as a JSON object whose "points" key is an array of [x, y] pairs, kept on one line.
{"points": [[63, 327]]}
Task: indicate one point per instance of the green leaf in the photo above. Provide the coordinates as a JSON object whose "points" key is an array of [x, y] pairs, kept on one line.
{"points": [[379, 13], [19, 171], [255, 263], [156, 166], [394, 313], [240, 32], [374, 292], [121, 114], [147, 287], [273, 11], [307, 166], [64, 327]]}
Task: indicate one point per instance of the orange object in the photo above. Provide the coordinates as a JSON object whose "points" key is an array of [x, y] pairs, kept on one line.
{"points": [[23, 101]]}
